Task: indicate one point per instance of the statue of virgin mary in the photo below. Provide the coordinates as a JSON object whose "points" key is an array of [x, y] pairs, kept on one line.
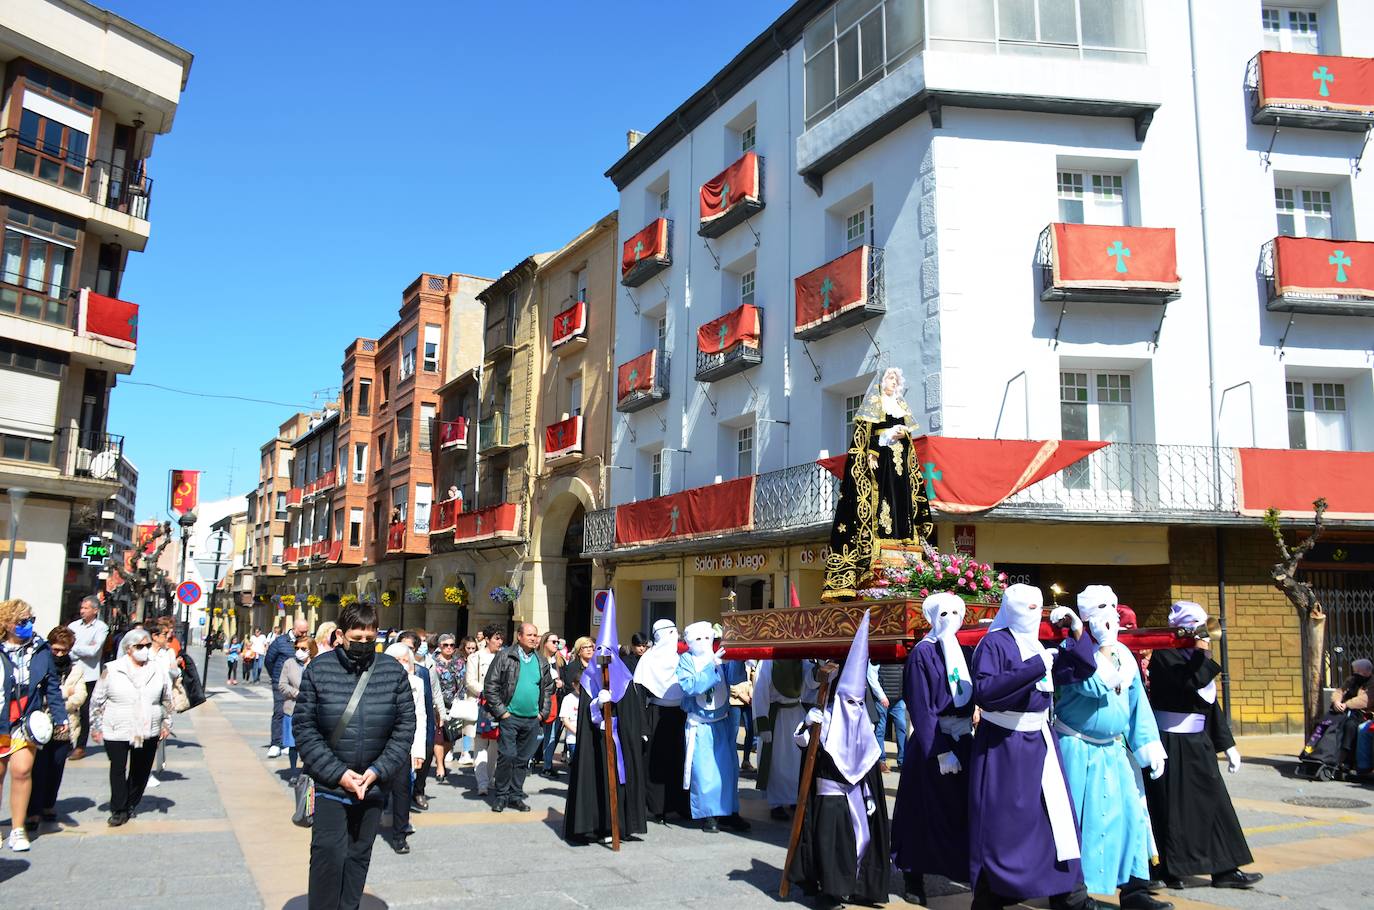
{"points": [[882, 493]]}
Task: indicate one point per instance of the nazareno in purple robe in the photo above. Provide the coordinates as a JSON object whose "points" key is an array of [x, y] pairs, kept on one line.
{"points": [[1010, 840], [930, 820]]}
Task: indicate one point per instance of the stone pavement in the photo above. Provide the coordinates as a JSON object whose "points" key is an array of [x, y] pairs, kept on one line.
{"points": [[217, 833]]}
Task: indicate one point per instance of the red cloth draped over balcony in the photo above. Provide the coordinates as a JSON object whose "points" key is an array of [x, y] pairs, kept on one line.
{"points": [[974, 475], [650, 243], [826, 292], [445, 515], [336, 549], [1290, 480], [739, 326], [569, 324], [111, 320], [563, 438], [1316, 81], [396, 537], [1108, 256], [713, 509], [288, 555], [293, 496], [737, 183], [485, 523], [453, 433], [1305, 265], [636, 375]]}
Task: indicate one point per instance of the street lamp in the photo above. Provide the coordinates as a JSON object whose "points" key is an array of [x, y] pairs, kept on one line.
{"points": [[16, 495]]}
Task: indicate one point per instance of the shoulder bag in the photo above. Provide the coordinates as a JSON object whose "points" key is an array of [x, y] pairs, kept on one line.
{"points": [[304, 786]]}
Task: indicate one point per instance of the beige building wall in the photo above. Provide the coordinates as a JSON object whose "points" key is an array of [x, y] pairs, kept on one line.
{"points": [[464, 324]]}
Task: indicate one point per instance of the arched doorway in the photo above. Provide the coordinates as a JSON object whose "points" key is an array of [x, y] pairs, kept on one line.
{"points": [[577, 610]]}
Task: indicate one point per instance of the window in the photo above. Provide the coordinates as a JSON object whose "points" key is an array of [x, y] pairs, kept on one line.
{"points": [[580, 285], [39, 256], [575, 396], [283, 462], [744, 451], [424, 497], [856, 228], [364, 397], [337, 526], [656, 466], [405, 425], [408, 342], [1317, 416], [1292, 30], [747, 138], [281, 506], [278, 544], [52, 150], [851, 46], [425, 431], [326, 457], [1064, 29], [347, 399], [1104, 203], [359, 462], [1303, 212], [1097, 406], [513, 314], [355, 527], [376, 519], [746, 287], [661, 333], [663, 200], [432, 348], [400, 500], [852, 403], [29, 359], [26, 448], [383, 456]]}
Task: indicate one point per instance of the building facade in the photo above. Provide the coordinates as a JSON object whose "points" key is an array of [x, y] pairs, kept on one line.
{"points": [[83, 95], [268, 516], [1060, 227]]}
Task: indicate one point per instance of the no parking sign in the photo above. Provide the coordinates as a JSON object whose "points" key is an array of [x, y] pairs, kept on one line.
{"points": [[599, 599]]}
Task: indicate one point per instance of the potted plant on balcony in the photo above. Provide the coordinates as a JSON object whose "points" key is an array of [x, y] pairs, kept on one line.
{"points": [[387, 599], [287, 600]]}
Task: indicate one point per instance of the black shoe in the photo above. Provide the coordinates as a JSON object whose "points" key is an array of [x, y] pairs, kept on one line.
{"points": [[420, 801], [498, 806], [400, 845], [661, 820], [778, 814], [1143, 900], [118, 819], [519, 805], [408, 830], [735, 823], [914, 888], [711, 826], [1236, 879], [1171, 882]]}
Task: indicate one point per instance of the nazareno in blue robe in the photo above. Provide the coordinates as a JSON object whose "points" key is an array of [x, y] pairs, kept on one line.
{"points": [[1011, 842], [1104, 780], [711, 741], [930, 820]]}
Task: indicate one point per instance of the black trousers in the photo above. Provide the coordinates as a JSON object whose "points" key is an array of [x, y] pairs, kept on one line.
{"points": [[233, 669], [985, 899], [86, 716], [48, 766], [129, 770], [518, 742], [399, 788], [341, 852]]}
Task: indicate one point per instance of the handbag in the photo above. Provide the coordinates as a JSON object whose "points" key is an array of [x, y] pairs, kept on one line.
{"points": [[487, 727], [180, 700], [303, 813]]}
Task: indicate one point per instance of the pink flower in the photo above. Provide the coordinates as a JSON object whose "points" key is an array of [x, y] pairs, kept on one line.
{"points": [[962, 582], [987, 584], [987, 568], [968, 574], [939, 576], [925, 592], [1001, 576]]}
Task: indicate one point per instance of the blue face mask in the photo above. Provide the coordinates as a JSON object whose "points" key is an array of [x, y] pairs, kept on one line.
{"points": [[24, 630], [424, 650]]}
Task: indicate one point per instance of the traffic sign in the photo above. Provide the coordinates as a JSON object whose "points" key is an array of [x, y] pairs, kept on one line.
{"points": [[188, 592], [599, 607], [96, 551]]}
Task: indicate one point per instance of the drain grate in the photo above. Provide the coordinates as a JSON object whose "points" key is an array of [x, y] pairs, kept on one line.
{"points": [[1326, 802]]}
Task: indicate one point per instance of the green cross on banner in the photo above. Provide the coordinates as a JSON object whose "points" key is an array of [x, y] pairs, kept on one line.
{"points": [[932, 475], [1340, 261], [564, 324], [1323, 77], [133, 326], [674, 515], [826, 287], [725, 195], [479, 523], [634, 377], [1121, 252], [558, 434], [639, 249], [724, 330]]}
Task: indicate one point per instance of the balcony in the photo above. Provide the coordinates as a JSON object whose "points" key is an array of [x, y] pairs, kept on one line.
{"points": [[62, 461], [642, 382], [37, 301], [453, 434], [496, 524], [396, 537], [1107, 264], [647, 253], [493, 434], [730, 344], [445, 516], [563, 441], [336, 552], [842, 293], [294, 496], [1323, 277], [105, 184], [498, 341], [569, 330], [732, 196], [289, 555], [1311, 90]]}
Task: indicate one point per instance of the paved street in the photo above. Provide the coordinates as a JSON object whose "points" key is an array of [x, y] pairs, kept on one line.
{"points": [[218, 834]]}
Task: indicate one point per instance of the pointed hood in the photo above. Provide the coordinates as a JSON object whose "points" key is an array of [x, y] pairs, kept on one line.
{"points": [[848, 733], [853, 679], [657, 669], [607, 645]]}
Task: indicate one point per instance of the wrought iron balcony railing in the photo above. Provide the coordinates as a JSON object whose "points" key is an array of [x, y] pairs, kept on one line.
{"points": [[493, 433], [40, 301], [72, 451]]}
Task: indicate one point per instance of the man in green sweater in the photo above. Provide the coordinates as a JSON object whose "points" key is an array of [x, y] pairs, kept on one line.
{"points": [[518, 693]]}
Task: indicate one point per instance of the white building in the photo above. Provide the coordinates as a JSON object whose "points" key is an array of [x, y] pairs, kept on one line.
{"points": [[950, 135]]}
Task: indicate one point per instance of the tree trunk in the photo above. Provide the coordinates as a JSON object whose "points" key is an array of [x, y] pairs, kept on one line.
{"points": [[1314, 647]]}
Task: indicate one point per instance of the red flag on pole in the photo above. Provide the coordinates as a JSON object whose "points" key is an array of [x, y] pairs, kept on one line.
{"points": [[185, 491]]}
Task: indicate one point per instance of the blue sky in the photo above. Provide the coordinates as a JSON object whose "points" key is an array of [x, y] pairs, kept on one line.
{"points": [[323, 157]]}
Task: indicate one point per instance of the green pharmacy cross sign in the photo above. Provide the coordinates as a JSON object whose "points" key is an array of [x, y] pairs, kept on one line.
{"points": [[96, 550]]}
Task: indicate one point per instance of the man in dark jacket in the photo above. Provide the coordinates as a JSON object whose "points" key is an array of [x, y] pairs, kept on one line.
{"points": [[518, 692], [352, 761], [282, 649]]}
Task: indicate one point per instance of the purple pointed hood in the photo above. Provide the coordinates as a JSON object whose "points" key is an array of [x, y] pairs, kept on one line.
{"points": [[608, 645]]}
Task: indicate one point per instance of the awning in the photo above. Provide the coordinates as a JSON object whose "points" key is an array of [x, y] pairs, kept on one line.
{"points": [[714, 509], [1290, 480], [739, 326]]}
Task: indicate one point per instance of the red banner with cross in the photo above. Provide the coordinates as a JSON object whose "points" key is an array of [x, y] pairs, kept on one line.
{"points": [[974, 475], [826, 292], [446, 515], [739, 326], [650, 243], [1307, 265], [1108, 256], [396, 537], [563, 438], [1290, 480], [1316, 81], [502, 520], [569, 324], [715, 509], [737, 183], [453, 433], [111, 320], [636, 375]]}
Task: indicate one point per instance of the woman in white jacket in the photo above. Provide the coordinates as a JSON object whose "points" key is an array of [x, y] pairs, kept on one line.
{"points": [[402, 785], [131, 713]]}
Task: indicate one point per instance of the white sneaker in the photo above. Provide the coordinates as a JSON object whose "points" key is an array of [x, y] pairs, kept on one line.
{"points": [[153, 781], [19, 841], [273, 752]]}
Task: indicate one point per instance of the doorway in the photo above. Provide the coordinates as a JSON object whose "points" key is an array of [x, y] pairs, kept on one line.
{"points": [[577, 607]]}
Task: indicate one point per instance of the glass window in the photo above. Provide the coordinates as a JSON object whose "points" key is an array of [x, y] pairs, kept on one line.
{"points": [[1303, 212], [1087, 198], [855, 232], [347, 399], [39, 274], [364, 397], [1097, 406], [656, 489], [661, 331], [281, 505], [575, 396], [851, 46], [400, 501], [408, 344], [1318, 417], [746, 287], [51, 151], [1070, 197], [431, 352], [424, 494], [663, 200], [1293, 30], [747, 138], [355, 527], [744, 448]]}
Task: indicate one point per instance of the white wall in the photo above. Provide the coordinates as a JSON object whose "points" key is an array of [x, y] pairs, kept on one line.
{"points": [[39, 570]]}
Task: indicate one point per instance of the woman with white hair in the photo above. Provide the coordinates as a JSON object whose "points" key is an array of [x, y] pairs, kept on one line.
{"points": [[131, 713], [403, 784]]}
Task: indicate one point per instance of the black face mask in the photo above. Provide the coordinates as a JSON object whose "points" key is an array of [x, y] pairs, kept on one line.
{"points": [[361, 652], [63, 663]]}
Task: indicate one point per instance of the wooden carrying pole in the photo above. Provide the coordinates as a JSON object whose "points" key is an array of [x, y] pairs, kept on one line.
{"points": [[808, 773], [612, 772]]}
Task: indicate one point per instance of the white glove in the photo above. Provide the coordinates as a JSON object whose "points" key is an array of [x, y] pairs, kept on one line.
{"points": [[1059, 614], [1152, 757], [720, 655], [1233, 759], [1157, 767], [1047, 655], [766, 737], [949, 764], [815, 716], [604, 696]]}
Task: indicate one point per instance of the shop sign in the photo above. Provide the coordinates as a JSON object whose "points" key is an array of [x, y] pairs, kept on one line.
{"points": [[660, 590], [813, 556], [740, 563]]}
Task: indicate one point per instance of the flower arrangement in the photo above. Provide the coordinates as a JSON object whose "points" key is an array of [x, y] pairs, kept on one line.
{"points": [[348, 599], [416, 594], [369, 599], [313, 601], [456, 594], [930, 571], [505, 594], [387, 599], [288, 600]]}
